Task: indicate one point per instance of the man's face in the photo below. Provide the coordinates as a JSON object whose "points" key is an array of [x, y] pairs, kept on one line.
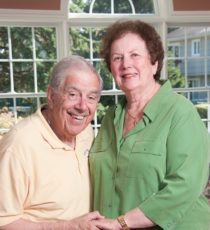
{"points": [[72, 107]]}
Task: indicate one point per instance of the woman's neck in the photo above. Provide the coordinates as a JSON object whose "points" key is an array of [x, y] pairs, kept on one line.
{"points": [[138, 99]]}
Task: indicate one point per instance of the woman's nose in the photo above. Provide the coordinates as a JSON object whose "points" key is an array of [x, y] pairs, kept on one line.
{"points": [[126, 62]]}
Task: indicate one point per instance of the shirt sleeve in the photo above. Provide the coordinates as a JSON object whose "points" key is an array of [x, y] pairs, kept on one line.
{"points": [[187, 166], [13, 184]]}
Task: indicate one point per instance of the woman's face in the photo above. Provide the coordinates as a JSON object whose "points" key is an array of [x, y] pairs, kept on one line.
{"points": [[130, 63]]}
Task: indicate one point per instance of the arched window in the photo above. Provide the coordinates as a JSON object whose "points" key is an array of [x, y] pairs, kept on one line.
{"points": [[112, 7]]}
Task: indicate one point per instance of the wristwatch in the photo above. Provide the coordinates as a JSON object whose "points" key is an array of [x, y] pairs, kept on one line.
{"points": [[122, 222]]}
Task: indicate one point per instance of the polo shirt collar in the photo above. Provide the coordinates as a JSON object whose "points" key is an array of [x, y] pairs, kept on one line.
{"points": [[47, 133]]}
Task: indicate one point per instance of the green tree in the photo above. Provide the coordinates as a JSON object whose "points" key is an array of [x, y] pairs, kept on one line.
{"points": [[27, 65], [174, 73]]}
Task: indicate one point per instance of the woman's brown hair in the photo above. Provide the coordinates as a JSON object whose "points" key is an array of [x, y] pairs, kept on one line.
{"points": [[144, 31]]}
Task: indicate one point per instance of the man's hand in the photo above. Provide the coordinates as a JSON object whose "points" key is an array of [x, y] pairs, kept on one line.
{"points": [[80, 223], [85, 222], [107, 224]]}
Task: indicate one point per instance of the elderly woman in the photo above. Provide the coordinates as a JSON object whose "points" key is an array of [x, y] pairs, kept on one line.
{"points": [[149, 163]]}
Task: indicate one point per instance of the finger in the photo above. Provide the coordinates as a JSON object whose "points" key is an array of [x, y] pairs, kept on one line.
{"points": [[99, 223], [95, 215], [94, 225]]}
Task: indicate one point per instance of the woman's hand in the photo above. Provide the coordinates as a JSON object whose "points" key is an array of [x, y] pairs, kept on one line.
{"points": [[107, 224]]}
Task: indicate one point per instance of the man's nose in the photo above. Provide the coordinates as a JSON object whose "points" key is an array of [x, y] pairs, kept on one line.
{"points": [[81, 103]]}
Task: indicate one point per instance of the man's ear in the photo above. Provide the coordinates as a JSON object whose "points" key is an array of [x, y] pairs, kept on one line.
{"points": [[50, 96]]}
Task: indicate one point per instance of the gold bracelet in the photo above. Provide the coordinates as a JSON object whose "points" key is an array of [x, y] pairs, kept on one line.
{"points": [[122, 222]]}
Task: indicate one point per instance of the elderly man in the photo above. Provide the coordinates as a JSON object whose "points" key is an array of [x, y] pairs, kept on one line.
{"points": [[44, 176]]}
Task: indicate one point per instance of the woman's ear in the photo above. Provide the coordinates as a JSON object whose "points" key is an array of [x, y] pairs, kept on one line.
{"points": [[154, 68]]}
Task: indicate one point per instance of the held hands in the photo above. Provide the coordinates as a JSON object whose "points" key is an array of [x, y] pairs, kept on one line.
{"points": [[85, 222], [107, 224], [134, 218]]}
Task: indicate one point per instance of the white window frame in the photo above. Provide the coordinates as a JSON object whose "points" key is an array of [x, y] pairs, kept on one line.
{"points": [[62, 20], [196, 47], [175, 48]]}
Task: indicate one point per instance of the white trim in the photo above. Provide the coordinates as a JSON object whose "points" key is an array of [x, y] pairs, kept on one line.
{"points": [[195, 50], [104, 20]]}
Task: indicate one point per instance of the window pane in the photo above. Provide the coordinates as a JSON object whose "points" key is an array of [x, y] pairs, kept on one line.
{"points": [[80, 41], [26, 106], [101, 6], [195, 72], [175, 74], [45, 43], [208, 71], [103, 105], [198, 97], [6, 102], [143, 6], [97, 35], [208, 41], [105, 74], [195, 41], [79, 6], [176, 42], [43, 100], [43, 74], [4, 77], [122, 6], [7, 119], [23, 77], [21, 42], [4, 46]]}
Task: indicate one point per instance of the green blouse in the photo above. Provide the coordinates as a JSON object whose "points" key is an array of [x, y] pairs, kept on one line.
{"points": [[160, 166]]}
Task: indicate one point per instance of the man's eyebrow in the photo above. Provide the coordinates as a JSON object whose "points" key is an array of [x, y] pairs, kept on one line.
{"points": [[70, 87], [67, 88], [97, 92]]}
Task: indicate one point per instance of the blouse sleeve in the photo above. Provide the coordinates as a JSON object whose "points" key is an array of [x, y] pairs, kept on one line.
{"points": [[187, 166]]}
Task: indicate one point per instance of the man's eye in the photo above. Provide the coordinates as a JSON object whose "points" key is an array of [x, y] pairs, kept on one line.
{"points": [[93, 98], [73, 95]]}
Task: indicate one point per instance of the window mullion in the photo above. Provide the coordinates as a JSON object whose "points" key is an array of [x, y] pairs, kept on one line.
{"points": [[34, 60], [10, 61]]}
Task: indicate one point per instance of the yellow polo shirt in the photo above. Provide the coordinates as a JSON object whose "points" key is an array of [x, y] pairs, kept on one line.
{"points": [[41, 178]]}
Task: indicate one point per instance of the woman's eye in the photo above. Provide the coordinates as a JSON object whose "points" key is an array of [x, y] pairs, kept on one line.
{"points": [[117, 58], [134, 55]]}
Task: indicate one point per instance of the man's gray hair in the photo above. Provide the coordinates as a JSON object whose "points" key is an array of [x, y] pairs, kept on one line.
{"points": [[74, 61]]}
